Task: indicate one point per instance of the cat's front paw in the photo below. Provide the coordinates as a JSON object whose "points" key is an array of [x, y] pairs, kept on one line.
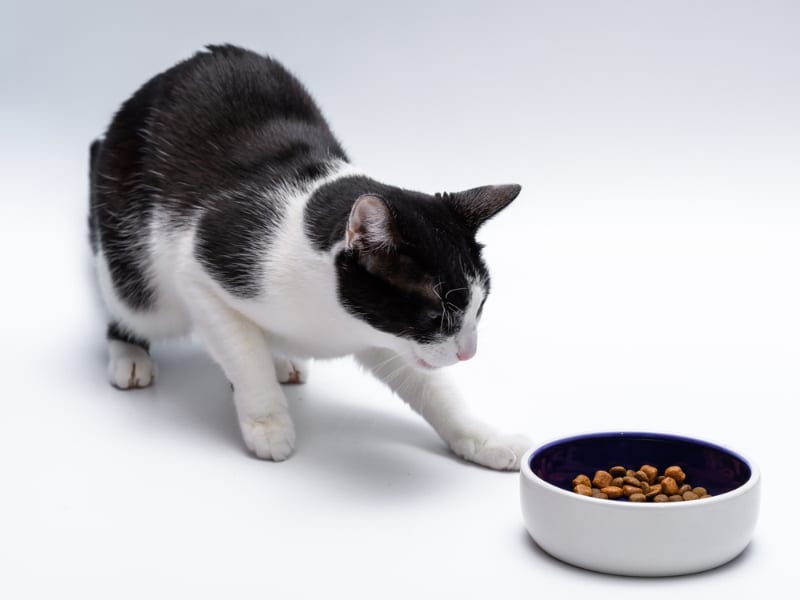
{"points": [[485, 447], [130, 367], [270, 437]]}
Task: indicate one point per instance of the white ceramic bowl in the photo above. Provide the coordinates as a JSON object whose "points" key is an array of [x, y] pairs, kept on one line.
{"points": [[644, 539]]}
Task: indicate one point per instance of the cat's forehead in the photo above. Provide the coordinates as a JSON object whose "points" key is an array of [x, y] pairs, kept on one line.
{"points": [[446, 250]]}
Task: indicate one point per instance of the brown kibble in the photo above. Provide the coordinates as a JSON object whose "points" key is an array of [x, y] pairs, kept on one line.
{"points": [[639, 486], [676, 473], [582, 480], [669, 486], [655, 490], [602, 479], [631, 489], [651, 472], [628, 480], [612, 491]]}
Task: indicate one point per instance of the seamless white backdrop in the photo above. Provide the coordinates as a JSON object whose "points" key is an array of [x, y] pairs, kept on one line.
{"points": [[646, 278]]}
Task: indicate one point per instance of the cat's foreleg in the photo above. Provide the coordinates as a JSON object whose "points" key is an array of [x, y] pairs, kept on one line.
{"points": [[239, 346], [440, 404]]}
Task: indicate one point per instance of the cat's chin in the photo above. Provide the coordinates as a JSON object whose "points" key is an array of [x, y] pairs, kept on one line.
{"points": [[421, 364]]}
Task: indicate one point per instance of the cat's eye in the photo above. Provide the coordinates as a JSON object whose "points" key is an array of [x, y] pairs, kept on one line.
{"points": [[433, 316]]}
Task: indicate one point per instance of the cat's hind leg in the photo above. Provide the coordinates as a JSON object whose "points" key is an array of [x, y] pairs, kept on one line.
{"points": [[291, 370], [129, 362]]}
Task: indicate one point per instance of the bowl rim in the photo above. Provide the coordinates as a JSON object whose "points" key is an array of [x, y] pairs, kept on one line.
{"points": [[527, 473]]}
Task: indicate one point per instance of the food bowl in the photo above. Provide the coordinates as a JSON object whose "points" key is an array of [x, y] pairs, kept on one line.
{"points": [[643, 539]]}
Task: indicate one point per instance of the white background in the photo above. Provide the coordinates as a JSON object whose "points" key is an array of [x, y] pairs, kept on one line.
{"points": [[646, 279]]}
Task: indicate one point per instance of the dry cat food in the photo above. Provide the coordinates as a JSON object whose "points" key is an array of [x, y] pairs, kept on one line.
{"points": [[643, 485]]}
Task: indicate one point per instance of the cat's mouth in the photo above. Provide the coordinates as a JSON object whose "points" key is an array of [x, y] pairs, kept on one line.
{"points": [[421, 362]]}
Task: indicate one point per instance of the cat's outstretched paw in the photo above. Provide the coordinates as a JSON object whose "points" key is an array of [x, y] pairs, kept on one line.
{"points": [[485, 447], [270, 437], [291, 371], [129, 366]]}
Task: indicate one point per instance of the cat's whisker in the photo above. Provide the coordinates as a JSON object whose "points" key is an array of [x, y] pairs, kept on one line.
{"points": [[436, 291], [455, 308], [454, 290], [391, 377], [449, 319], [395, 356], [384, 363], [424, 398], [400, 388]]}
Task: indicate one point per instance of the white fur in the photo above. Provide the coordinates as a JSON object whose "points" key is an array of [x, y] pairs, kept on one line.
{"points": [[258, 341], [432, 396], [169, 252], [292, 370], [129, 366]]}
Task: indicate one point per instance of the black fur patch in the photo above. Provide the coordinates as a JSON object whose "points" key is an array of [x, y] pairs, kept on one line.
{"points": [[94, 150], [408, 290], [208, 139], [116, 332], [122, 197]]}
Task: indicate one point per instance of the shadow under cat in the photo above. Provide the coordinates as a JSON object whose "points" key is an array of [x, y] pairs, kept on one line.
{"points": [[341, 445]]}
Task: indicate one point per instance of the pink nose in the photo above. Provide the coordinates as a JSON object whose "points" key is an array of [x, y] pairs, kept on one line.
{"points": [[465, 355]]}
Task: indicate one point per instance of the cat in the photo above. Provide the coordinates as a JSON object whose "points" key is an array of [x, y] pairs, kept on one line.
{"points": [[221, 204]]}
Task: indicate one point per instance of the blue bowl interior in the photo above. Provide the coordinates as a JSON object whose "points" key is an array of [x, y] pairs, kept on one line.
{"points": [[707, 465]]}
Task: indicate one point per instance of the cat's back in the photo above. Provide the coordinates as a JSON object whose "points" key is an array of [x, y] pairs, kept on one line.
{"points": [[224, 118], [230, 100]]}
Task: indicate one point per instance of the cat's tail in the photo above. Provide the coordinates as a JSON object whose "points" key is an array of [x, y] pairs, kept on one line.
{"points": [[94, 151]]}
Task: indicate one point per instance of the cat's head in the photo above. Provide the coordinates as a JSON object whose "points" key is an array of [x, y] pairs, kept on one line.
{"points": [[412, 269]]}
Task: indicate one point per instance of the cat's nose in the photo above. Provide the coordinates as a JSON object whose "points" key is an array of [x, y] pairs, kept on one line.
{"points": [[467, 345], [468, 352], [465, 355]]}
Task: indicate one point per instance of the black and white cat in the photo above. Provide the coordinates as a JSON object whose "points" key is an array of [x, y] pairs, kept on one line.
{"points": [[222, 204]]}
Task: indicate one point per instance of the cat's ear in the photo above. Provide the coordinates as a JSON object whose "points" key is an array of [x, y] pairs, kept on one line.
{"points": [[478, 205], [371, 225]]}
